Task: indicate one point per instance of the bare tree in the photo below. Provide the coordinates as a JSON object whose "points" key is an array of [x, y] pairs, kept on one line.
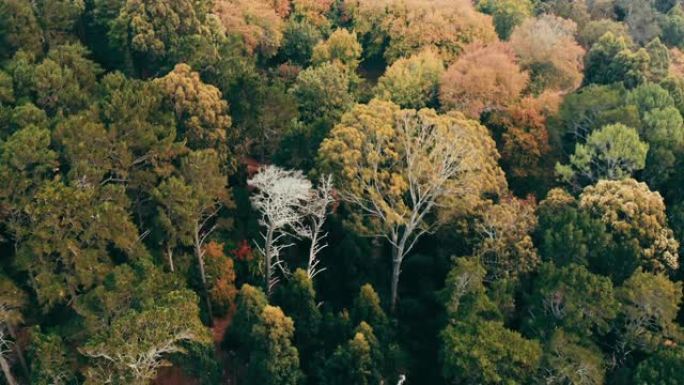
{"points": [[280, 198], [314, 213]]}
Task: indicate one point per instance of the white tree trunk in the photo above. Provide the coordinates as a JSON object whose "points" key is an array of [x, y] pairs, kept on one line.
{"points": [[200, 261]]}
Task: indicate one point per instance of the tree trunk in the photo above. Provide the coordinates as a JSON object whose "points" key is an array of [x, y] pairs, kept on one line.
{"points": [[200, 261], [397, 257], [19, 351], [268, 256], [6, 370], [169, 255]]}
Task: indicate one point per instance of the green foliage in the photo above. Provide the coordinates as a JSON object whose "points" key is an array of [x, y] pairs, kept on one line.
{"points": [[507, 14], [664, 367], [273, 358], [412, 82], [613, 152], [486, 352], [650, 303], [610, 60], [356, 362], [50, 362], [570, 360], [573, 299]]}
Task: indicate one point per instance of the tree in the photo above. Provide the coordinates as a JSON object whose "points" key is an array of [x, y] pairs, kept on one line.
{"points": [[486, 352], [650, 303], [448, 25], [659, 64], [65, 80], [569, 360], [249, 305], [20, 28], [138, 343], [567, 234], [297, 298], [201, 112], [672, 26], [150, 36], [547, 48], [506, 249], [299, 39], [641, 18], [341, 46], [258, 23], [221, 273], [323, 92], [573, 299], [273, 360], [189, 204], [314, 214], [663, 367], [483, 78], [26, 162], [613, 152], [367, 308], [526, 152], [50, 364], [354, 363], [610, 60], [412, 82], [595, 29], [395, 167], [71, 232], [281, 195], [636, 217], [12, 300], [507, 14]]}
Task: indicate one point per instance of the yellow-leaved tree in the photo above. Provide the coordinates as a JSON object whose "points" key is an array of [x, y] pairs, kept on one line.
{"points": [[398, 169]]}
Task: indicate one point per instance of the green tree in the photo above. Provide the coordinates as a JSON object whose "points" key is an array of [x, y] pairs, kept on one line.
{"points": [[672, 26], [650, 303], [297, 298], [367, 308], [663, 367], [570, 360], [299, 39], [659, 64], [71, 235], [273, 360], [613, 152], [150, 35], [412, 82], [588, 109], [138, 342], [568, 234], [354, 363], [50, 362], [571, 298], [595, 29], [507, 14], [249, 304], [189, 204], [486, 352], [20, 28], [341, 46], [610, 60]]}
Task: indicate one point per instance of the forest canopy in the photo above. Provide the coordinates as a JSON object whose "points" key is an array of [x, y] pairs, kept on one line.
{"points": [[341, 192]]}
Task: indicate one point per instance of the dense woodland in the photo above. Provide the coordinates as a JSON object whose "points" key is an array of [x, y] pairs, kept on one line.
{"points": [[341, 192]]}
